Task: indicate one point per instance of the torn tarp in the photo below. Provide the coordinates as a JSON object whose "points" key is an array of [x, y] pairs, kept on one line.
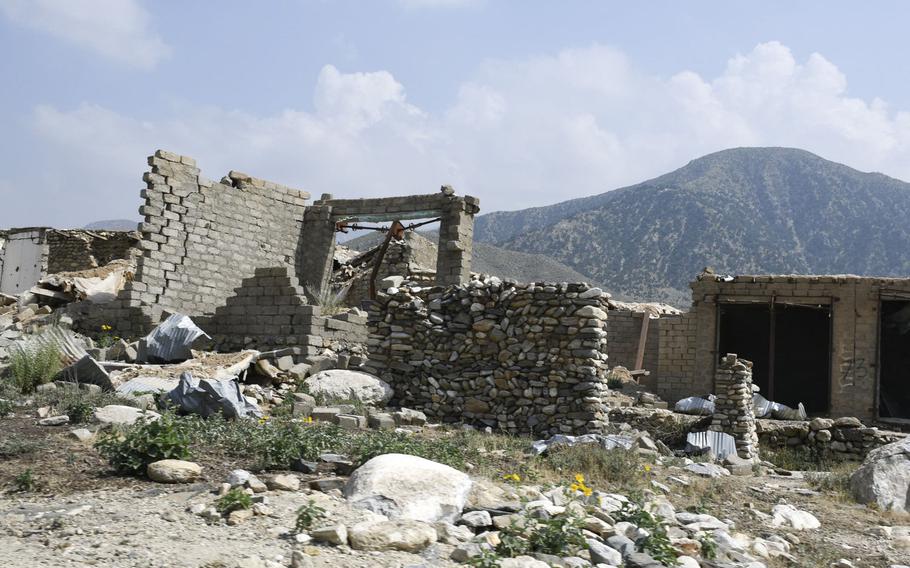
{"points": [[172, 339], [696, 405], [764, 408], [608, 442], [209, 396]]}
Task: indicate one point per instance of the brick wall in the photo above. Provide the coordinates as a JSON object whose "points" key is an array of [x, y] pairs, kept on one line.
{"points": [[623, 334], [676, 362], [70, 251]]}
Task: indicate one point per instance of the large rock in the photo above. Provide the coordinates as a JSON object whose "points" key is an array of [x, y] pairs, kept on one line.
{"points": [[884, 477], [784, 515], [408, 487], [406, 535], [340, 385], [117, 414], [174, 471]]}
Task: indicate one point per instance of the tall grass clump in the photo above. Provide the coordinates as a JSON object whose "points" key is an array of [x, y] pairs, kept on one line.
{"points": [[33, 364]]}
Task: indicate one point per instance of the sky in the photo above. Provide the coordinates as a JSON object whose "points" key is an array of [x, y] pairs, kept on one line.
{"points": [[520, 103]]}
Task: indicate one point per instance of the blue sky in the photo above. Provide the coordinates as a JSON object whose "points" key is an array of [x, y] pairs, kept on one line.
{"points": [[520, 103]]}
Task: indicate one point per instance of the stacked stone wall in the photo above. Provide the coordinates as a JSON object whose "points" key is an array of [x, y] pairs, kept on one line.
{"points": [[844, 438], [734, 413], [521, 358]]}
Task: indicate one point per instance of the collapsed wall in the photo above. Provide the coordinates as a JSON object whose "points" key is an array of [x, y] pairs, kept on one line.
{"points": [[200, 240], [521, 358]]}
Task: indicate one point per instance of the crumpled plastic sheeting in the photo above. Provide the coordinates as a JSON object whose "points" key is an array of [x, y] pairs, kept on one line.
{"points": [[765, 408], [720, 443], [696, 405], [172, 339], [608, 442], [98, 290], [210, 396]]}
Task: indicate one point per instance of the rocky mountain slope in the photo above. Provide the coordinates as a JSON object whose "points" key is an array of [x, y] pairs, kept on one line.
{"points": [[488, 259], [744, 210]]}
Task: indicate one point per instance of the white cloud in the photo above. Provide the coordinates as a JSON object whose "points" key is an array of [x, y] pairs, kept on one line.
{"points": [[117, 29], [519, 134]]}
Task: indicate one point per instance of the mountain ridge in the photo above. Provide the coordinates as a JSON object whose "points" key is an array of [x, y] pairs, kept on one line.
{"points": [[759, 210]]}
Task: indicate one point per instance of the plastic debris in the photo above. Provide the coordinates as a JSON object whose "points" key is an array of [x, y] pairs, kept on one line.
{"points": [[765, 408], [608, 442], [702, 406], [209, 396], [172, 339]]}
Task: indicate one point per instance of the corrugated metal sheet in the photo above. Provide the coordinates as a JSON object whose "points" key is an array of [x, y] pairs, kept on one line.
{"points": [[64, 341], [87, 371], [721, 444]]}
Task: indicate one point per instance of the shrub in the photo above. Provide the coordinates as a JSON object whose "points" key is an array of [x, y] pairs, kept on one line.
{"points": [[32, 364], [79, 411], [330, 301], [836, 481], [807, 459], [307, 515], [25, 481], [233, 500], [372, 444], [6, 408], [145, 442], [617, 466], [18, 446], [657, 543]]}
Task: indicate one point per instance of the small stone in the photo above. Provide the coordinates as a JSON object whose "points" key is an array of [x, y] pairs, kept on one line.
{"points": [[82, 434], [54, 420], [283, 482], [333, 534], [476, 519], [238, 516], [256, 484], [327, 484]]}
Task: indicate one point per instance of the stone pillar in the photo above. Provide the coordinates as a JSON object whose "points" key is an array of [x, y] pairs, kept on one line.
{"points": [[314, 265], [456, 238], [733, 410]]}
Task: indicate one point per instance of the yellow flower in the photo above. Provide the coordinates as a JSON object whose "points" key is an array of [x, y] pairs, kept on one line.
{"points": [[308, 419], [514, 477], [574, 487], [587, 491], [579, 478], [647, 468]]}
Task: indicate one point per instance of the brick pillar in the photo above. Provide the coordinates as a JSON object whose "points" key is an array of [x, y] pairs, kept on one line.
{"points": [[733, 410], [314, 267], [456, 240]]}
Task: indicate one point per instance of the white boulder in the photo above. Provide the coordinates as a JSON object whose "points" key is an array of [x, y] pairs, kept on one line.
{"points": [[174, 471], [339, 385], [884, 477], [123, 415], [789, 516], [408, 487]]}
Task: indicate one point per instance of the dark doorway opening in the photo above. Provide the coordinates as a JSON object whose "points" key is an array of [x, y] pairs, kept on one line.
{"points": [[894, 369], [789, 345]]}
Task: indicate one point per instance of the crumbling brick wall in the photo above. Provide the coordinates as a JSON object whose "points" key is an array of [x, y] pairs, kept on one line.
{"points": [[522, 358], [676, 359], [400, 260], [623, 334], [74, 250], [200, 240], [269, 310]]}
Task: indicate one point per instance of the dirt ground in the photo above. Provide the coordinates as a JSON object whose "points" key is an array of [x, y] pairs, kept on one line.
{"points": [[80, 513]]}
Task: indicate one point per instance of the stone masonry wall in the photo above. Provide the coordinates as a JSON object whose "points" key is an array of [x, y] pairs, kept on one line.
{"points": [[845, 437], [521, 358], [734, 413]]}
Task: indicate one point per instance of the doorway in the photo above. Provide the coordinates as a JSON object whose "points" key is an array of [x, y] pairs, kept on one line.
{"points": [[789, 346], [894, 354]]}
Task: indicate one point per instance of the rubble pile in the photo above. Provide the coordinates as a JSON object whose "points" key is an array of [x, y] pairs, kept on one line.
{"points": [[516, 357]]}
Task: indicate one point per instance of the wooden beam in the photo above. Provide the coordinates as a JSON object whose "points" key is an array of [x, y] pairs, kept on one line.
{"points": [[642, 339]]}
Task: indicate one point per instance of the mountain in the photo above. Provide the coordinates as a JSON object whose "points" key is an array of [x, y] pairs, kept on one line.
{"points": [[487, 258], [113, 225], [744, 210]]}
